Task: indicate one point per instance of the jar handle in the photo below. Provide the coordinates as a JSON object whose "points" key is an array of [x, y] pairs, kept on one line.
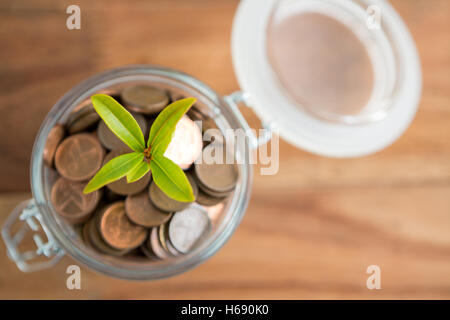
{"points": [[30, 220], [232, 101]]}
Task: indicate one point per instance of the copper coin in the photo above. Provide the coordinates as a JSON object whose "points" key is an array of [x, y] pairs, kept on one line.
{"points": [[84, 122], [142, 212], [98, 242], [164, 202], [207, 200], [118, 231], [110, 141], [54, 137], [186, 144], [188, 227], [145, 99], [80, 110], [71, 203], [79, 157], [217, 177], [155, 244], [121, 186]]}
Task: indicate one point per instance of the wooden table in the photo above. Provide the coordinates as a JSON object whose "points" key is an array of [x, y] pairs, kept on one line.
{"points": [[311, 230]]}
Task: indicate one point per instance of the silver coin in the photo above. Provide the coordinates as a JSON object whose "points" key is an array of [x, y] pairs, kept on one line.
{"points": [[171, 248], [187, 227], [186, 144]]}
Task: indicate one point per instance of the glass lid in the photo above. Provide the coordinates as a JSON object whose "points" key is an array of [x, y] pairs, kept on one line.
{"points": [[339, 78]]}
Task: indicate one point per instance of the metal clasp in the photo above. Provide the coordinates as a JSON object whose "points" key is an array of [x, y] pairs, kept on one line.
{"points": [[233, 100], [30, 219]]}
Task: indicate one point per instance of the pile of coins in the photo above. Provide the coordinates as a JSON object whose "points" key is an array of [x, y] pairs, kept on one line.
{"points": [[135, 219]]}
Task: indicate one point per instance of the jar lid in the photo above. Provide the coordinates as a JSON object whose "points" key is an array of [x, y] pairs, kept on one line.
{"points": [[311, 110]]}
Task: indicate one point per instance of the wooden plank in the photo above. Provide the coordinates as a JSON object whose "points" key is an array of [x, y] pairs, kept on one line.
{"points": [[312, 243]]}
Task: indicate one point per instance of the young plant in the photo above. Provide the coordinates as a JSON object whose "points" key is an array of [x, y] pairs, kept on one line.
{"points": [[167, 175]]}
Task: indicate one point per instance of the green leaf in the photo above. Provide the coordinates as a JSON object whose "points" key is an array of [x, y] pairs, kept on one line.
{"points": [[169, 177], [138, 172], [114, 170], [119, 121], [164, 125]]}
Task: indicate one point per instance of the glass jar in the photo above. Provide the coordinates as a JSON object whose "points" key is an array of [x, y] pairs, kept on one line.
{"points": [[62, 238]]}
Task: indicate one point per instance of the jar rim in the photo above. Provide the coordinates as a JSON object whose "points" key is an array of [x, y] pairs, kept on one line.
{"points": [[236, 208]]}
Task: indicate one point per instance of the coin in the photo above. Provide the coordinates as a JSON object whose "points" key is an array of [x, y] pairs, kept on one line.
{"points": [[84, 122], [145, 99], [110, 141], [147, 251], [187, 227], [164, 202], [212, 193], [155, 245], [171, 248], [118, 231], [71, 203], [141, 211], [162, 237], [164, 240], [121, 186], [80, 110], [217, 177], [98, 242], [186, 144], [54, 137], [206, 199], [79, 157]]}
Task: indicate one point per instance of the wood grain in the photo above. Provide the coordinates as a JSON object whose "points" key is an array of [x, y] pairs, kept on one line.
{"points": [[312, 229]]}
